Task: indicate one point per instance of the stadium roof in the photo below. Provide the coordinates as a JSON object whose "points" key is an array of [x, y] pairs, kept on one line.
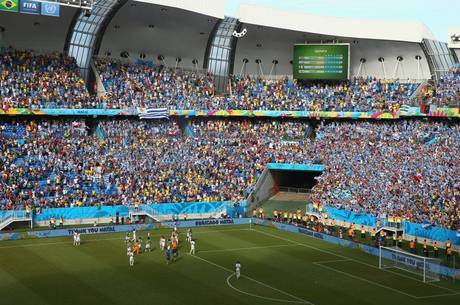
{"points": [[334, 26], [214, 8]]}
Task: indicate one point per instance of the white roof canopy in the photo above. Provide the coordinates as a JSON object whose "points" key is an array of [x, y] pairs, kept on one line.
{"points": [[334, 26]]}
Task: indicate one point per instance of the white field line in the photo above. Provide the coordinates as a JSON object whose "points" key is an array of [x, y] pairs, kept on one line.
{"points": [[367, 281], [354, 260], [104, 239], [247, 248], [254, 280], [331, 261], [258, 296], [439, 295]]}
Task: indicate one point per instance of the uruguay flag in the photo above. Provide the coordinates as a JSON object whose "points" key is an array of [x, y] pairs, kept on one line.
{"points": [[154, 113]]}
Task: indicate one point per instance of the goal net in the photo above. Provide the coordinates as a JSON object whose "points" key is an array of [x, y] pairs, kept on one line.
{"points": [[425, 268]]}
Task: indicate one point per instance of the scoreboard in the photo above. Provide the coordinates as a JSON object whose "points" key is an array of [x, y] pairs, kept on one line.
{"points": [[321, 61]]}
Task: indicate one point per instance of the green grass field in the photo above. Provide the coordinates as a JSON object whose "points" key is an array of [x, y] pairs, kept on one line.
{"points": [[278, 268]]}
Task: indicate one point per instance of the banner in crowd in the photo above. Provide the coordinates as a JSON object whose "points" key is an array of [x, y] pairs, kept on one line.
{"points": [[153, 113], [441, 112], [284, 114], [408, 112], [65, 111], [296, 167]]}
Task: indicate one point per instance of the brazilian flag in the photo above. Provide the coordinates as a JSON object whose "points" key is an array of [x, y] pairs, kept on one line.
{"points": [[9, 5]]}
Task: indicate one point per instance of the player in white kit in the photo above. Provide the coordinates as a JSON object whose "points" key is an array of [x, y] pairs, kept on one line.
{"points": [[238, 269], [78, 239], [148, 245], [162, 243], [74, 238], [131, 259], [192, 247]]}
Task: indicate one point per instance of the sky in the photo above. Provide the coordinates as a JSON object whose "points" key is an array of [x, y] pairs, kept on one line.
{"points": [[438, 15]]}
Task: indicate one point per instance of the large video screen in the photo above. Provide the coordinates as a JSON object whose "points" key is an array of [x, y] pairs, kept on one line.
{"points": [[321, 61]]}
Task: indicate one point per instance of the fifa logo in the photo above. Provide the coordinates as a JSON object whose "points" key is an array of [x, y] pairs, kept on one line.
{"points": [[30, 5]]}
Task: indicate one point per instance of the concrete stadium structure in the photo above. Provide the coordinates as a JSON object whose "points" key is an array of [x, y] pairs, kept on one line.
{"points": [[196, 34]]}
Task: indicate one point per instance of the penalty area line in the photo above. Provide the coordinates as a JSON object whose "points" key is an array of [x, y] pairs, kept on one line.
{"points": [[299, 300], [259, 296], [354, 260], [365, 280], [438, 295]]}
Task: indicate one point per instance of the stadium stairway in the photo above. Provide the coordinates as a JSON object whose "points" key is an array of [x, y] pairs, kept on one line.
{"points": [[14, 216], [289, 196]]}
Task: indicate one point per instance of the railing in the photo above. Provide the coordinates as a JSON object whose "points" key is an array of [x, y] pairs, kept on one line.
{"points": [[142, 209], [154, 62], [11, 216], [293, 189]]}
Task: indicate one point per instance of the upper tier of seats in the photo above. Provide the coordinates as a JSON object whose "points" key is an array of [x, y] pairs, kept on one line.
{"points": [[445, 93], [150, 86], [52, 81], [40, 81]]}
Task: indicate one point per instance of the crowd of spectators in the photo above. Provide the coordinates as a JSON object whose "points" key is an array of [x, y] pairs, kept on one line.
{"points": [[146, 85], [29, 80], [150, 86], [357, 94], [407, 169], [445, 93], [62, 164]]}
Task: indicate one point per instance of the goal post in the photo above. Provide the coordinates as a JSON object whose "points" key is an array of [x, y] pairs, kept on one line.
{"points": [[427, 269]]}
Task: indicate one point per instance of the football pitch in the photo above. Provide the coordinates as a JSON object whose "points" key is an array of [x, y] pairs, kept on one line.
{"points": [[277, 268]]}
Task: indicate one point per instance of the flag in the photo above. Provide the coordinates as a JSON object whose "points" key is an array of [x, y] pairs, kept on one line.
{"points": [[50, 9], [406, 110], [154, 113], [9, 5], [426, 225]]}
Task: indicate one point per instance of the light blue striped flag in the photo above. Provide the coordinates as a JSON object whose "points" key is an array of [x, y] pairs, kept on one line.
{"points": [[154, 113]]}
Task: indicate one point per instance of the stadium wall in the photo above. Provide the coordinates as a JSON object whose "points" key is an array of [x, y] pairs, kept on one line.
{"points": [[164, 211], [153, 30], [40, 33], [268, 44], [413, 229]]}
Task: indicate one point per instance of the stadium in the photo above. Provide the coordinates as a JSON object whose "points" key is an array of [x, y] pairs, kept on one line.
{"points": [[162, 152]]}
